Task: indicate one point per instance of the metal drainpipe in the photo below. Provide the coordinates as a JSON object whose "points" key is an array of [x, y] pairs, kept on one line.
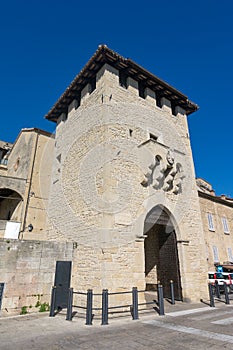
{"points": [[30, 184]]}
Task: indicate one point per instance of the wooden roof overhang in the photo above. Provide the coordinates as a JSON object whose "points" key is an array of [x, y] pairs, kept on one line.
{"points": [[105, 55]]}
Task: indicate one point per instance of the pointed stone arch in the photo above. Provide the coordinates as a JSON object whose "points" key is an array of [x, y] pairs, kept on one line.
{"points": [[160, 251]]}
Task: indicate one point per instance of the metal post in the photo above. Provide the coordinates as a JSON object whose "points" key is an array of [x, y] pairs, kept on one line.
{"points": [[211, 294], [89, 307], [135, 303], [217, 289], [69, 305], [226, 294], [172, 292], [52, 304], [104, 307], [1, 293], [160, 299]]}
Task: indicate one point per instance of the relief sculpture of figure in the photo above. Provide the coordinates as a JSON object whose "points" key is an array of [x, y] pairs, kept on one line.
{"points": [[178, 179], [158, 174], [169, 180]]}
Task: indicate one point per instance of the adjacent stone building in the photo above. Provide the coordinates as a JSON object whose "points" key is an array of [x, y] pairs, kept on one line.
{"points": [[217, 220], [115, 187]]}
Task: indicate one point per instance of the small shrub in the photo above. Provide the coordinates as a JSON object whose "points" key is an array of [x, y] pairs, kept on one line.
{"points": [[23, 310], [44, 307]]}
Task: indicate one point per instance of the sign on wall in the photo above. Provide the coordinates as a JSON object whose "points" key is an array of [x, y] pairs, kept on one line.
{"points": [[12, 230]]}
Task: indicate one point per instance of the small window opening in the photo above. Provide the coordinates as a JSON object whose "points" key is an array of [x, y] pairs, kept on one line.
{"points": [[78, 101], [158, 100], [92, 85], [173, 108], [130, 132], [153, 137], [4, 154], [141, 90], [123, 79]]}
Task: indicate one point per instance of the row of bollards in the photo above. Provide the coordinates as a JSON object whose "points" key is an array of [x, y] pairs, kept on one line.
{"points": [[214, 289], [105, 303]]}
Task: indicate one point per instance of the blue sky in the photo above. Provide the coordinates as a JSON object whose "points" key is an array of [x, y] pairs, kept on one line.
{"points": [[189, 44]]}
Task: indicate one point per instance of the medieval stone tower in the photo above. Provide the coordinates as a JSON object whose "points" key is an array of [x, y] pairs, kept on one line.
{"points": [[123, 184]]}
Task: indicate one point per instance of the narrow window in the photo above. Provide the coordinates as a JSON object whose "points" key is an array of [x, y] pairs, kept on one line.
{"points": [[123, 79], [141, 89], [173, 107], [78, 101], [210, 222], [215, 253], [130, 132], [225, 225], [92, 85], [158, 100], [153, 137], [230, 256]]}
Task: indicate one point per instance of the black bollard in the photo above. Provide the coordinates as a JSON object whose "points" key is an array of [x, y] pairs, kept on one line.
{"points": [[226, 294], [160, 300], [104, 307], [52, 305], [89, 307], [172, 292], [217, 289], [135, 303], [211, 294], [70, 305]]}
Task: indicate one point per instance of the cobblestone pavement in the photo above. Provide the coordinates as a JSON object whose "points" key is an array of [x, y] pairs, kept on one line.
{"points": [[195, 326]]}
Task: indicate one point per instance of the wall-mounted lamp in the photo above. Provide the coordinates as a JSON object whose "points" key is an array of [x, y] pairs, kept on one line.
{"points": [[30, 228]]}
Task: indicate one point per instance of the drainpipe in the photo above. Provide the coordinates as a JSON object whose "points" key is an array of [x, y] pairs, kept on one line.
{"points": [[27, 196]]}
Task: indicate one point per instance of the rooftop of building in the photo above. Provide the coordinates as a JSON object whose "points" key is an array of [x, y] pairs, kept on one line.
{"points": [[105, 55], [5, 145], [205, 190]]}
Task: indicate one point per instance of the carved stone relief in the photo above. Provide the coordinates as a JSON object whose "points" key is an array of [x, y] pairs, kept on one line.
{"points": [[164, 174]]}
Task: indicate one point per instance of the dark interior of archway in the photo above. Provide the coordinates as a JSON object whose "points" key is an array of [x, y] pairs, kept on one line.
{"points": [[161, 260], [9, 200]]}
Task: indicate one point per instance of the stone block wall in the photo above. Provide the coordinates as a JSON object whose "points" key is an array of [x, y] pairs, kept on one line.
{"points": [[27, 268]]}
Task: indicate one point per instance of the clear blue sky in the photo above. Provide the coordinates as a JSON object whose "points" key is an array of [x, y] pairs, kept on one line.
{"points": [[189, 44]]}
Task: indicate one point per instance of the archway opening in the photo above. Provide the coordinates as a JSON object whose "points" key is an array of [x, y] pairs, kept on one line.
{"points": [[10, 205], [161, 254]]}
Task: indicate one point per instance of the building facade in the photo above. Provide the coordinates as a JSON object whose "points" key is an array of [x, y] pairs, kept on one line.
{"points": [[116, 186], [217, 220]]}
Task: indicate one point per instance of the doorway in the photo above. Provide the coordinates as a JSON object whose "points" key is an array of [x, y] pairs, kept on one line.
{"points": [[161, 254]]}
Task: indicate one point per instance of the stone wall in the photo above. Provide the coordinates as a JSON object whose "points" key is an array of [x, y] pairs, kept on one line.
{"points": [[27, 268]]}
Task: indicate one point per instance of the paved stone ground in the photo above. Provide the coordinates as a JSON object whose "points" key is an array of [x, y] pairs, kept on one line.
{"points": [[185, 326]]}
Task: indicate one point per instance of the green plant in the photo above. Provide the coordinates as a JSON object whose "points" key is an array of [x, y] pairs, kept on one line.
{"points": [[44, 307], [23, 310]]}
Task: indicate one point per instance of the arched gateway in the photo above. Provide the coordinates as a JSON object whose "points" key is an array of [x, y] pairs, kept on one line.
{"points": [[161, 254]]}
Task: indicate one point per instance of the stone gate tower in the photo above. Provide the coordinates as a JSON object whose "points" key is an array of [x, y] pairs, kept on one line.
{"points": [[123, 184]]}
